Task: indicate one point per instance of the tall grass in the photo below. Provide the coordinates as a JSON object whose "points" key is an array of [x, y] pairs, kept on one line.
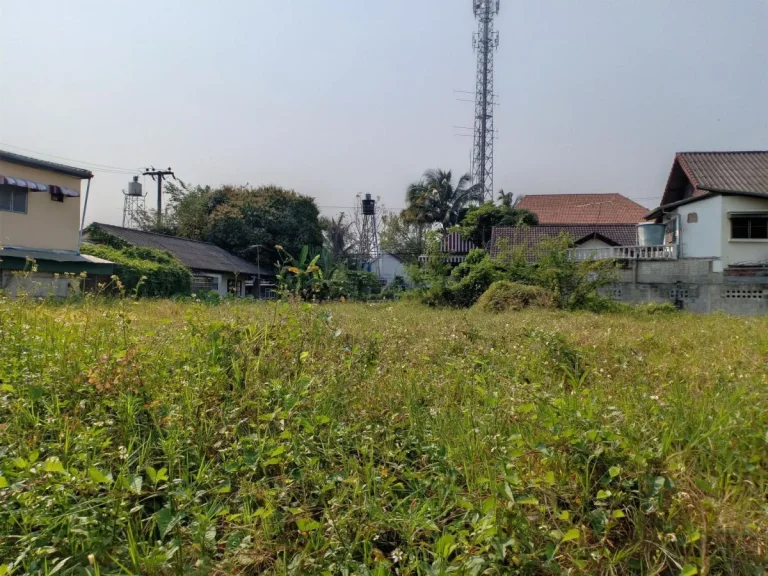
{"points": [[177, 438]]}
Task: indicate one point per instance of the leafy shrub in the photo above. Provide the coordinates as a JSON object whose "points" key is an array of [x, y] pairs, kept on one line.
{"points": [[505, 295], [657, 308], [574, 285], [146, 271]]}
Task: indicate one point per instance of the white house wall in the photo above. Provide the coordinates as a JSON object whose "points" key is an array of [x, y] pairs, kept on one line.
{"points": [[389, 267], [702, 231], [593, 243], [742, 251]]}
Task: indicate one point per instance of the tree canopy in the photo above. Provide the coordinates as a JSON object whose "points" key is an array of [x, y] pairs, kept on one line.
{"points": [[402, 237], [436, 200], [237, 218], [478, 223]]}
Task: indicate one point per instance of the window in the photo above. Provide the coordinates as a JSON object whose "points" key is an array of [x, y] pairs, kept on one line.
{"points": [[204, 284], [752, 227], [13, 199]]}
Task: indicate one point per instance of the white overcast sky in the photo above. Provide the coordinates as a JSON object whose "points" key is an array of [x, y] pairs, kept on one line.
{"points": [[336, 97]]}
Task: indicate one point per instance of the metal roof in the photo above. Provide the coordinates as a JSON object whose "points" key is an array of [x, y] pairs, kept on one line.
{"points": [[30, 162], [194, 254], [52, 255], [727, 171]]}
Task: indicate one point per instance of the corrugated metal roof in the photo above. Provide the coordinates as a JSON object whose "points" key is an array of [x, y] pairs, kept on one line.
{"points": [[192, 253], [453, 243], [30, 162], [727, 171], [583, 208], [530, 237]]}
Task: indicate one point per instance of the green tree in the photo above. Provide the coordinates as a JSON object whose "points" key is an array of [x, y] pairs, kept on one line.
{"points": [[505, 198], [237, 218], [434, 200], [338, 237], [402, 237], [478, 224]]}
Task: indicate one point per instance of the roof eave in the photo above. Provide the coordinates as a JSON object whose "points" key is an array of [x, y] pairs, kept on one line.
{"points": [[29, 162], [710, 192]]}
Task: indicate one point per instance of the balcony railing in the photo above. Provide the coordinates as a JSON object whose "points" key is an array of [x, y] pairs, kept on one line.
{"points": [[666, 252]]}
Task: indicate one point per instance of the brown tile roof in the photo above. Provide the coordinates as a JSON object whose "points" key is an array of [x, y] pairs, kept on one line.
{"points": [[193, 254], [696, 174], [530, 237], [583, 208]]}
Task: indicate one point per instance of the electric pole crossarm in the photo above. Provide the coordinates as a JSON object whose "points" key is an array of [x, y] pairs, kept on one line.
{"points": [[158, 175]]}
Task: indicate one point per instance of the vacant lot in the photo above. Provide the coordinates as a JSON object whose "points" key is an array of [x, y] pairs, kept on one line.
{"points": [[161, 438]]}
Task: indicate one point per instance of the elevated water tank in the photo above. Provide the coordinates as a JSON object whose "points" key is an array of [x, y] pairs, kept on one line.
{"points": [[651, 234], [369, 206], [134, 188]]}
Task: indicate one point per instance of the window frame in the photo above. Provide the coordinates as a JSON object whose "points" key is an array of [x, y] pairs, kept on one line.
{"points": [[749, 217], [12, 190]]}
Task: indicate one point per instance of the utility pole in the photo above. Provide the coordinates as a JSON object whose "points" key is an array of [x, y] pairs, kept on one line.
{"points": [[158, 175]]}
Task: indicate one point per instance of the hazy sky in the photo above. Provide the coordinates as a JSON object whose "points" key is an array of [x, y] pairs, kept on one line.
{"points": [[335, 97]]}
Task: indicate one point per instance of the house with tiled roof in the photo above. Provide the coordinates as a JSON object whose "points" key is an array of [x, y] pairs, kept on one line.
{"points": [[718, 203], [595, 240], [582, 208]]}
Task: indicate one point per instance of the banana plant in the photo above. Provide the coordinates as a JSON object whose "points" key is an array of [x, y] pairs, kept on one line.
{"points": [[301, 278]]}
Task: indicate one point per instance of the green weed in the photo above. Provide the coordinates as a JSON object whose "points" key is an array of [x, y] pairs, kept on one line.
{"points": [[161, 437]]}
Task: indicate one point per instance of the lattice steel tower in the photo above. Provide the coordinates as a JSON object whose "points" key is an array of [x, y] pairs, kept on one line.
{"points": [[485, 43], [369, 235], [133, 206]]}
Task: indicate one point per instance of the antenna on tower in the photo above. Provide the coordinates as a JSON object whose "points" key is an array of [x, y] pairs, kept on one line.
{"points": [[485, 42]]}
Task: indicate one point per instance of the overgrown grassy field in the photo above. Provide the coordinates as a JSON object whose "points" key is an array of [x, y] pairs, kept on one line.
{"points": [[179, 438]]}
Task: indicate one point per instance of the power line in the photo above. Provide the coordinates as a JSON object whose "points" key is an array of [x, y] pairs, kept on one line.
{"points": [[102, 167]]}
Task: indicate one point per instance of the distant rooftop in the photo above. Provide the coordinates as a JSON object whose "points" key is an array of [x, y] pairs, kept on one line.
{"points": [[13, 158], [583, 208]]}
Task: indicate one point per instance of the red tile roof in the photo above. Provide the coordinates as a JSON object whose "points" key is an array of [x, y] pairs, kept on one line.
{"points": [[530, 237], [583, 208]]}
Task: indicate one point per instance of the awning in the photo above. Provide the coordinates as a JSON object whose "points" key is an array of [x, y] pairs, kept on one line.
{"points": [[36, 186], [64, 191]]}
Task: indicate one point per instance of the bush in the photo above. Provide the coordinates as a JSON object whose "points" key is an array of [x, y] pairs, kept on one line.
{"points": [[505, 295], [657, 308], [146, 271]]}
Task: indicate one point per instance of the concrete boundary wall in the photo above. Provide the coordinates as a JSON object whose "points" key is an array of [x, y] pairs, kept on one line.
{"points": [[692, 285]]}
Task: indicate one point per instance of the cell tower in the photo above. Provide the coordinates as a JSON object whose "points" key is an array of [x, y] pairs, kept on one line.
{"points": [[369, 235], [133, 204], [485, 42]]}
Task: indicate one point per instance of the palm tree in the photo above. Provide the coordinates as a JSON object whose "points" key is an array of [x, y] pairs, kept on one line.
{"points": [[338, 237], [435, 200], [505, 198]]}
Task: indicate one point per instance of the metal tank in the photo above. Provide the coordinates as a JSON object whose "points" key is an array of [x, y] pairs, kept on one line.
{"points": [[651, 234], [134, 188]]}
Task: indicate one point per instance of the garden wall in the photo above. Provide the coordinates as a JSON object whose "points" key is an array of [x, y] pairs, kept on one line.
{"points": [[693, 286]]}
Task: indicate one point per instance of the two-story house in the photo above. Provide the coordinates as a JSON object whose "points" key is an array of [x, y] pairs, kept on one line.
{"points": [[718, 201], [40, 222]]}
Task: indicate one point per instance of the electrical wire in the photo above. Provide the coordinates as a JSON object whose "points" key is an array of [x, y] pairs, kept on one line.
{"points": [[96, 167]]}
